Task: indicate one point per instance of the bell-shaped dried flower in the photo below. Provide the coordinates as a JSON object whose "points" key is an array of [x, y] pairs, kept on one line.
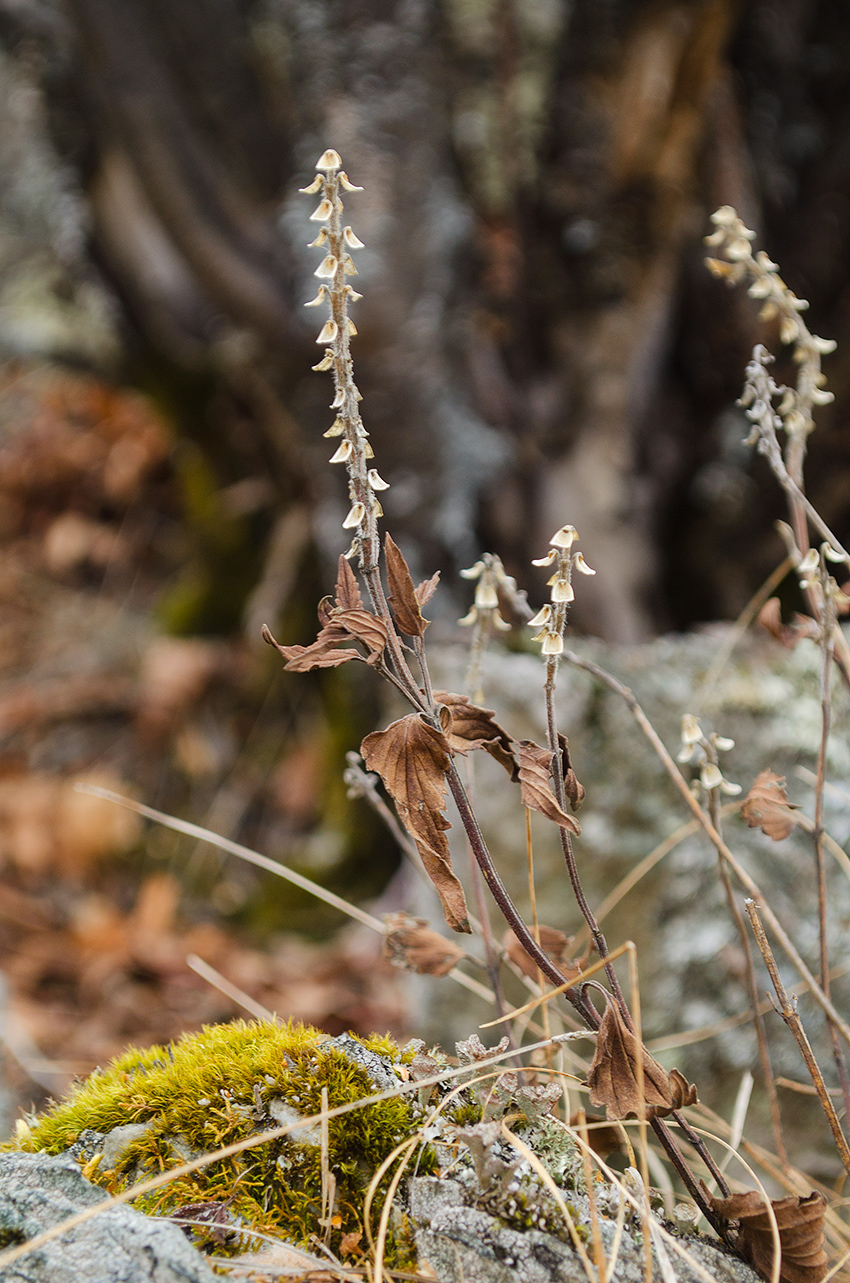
{"points": [[788, 330], [320, 297], [501, 624], [321, 239], [564, 538], [581, 565], [376, 481], [347, 185], [472, 572], [356, 513], [820, 396], [553, 644], [832, 554], [562, 590], [470, 618], [343, 453], [691, 730], [322, 212], [326, 361], [710, 775], [328, 160], [547, 560], [809, 563], [312, 188], [327, 268], [328, 333], [823, 345], [351, 239], [486, 597], [542, 618], [336, 429], [722, 743]]}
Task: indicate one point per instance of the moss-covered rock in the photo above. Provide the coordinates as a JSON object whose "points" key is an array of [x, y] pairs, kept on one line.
{"points": [[153, 1109]]}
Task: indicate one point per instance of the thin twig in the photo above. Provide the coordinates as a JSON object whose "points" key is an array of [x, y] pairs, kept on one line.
{"points": [[788, 1012]]}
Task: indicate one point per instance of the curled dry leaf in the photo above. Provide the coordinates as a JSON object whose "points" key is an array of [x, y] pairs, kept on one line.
{"points": [[534, 771], [766, 806], [412, 758], [574, 790], [402, 596], [473, 727], [799, 1220], [770, 619], [410, 943], [556, 947], [613, 1076], [341, 622]]}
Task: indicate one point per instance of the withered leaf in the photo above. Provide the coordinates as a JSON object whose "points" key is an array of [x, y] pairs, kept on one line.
{"points": [[402, 595], [766, 806], [425, 591], [800, 1221], [602, 1138], [473, 727], [324, 652], [412, 758], [347, 589], [534, 773], [366, 627], [770, 618], [556, 947], [613, 1079], [574, 790], [410, 943]]}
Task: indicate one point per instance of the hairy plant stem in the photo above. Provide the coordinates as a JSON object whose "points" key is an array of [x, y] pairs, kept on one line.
{"points": [[569, 855], [788, 1012], [752, 986], [705, 823]]}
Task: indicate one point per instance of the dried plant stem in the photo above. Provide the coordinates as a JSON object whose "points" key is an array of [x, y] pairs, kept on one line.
{"points": [[752, 987], [508, 909], [787, 1011], [828, 622], [569, 855], [705, 823]]}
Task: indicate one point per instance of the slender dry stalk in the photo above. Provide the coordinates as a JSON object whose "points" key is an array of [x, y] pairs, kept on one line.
{"points": [[751, 985], [705, 823], [787, 1011]]}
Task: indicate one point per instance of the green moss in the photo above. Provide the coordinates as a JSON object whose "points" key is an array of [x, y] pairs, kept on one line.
{"points": [[223, 1084]]}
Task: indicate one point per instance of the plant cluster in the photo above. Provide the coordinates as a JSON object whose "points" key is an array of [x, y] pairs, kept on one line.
{"points": [[422, 759]]}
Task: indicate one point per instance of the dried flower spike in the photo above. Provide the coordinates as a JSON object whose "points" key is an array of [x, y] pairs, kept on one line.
{"points": [[335, 239], [552, 619]]}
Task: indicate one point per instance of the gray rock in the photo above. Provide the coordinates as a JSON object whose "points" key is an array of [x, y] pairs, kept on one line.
{"points": [[464, 1244], [118, 1141], [120, 1245]]}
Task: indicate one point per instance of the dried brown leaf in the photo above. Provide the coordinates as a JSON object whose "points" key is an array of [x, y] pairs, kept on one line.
{"points": [[770, 619], [324, 652], [556, 947], [766, 806], [800, 1221], [574, 790], [347, 589], [602, 1138], [613, 1076], [410, 943], [366, 627], [473, 727], [402, 594], [412, 759], [425, 591], [534, 774]]}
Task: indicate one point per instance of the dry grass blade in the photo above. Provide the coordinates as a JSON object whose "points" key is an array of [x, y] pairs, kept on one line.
{"points": [[220, 982]]}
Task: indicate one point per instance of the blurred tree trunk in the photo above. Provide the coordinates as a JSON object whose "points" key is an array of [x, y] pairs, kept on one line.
{"points": [[539, 342]]}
